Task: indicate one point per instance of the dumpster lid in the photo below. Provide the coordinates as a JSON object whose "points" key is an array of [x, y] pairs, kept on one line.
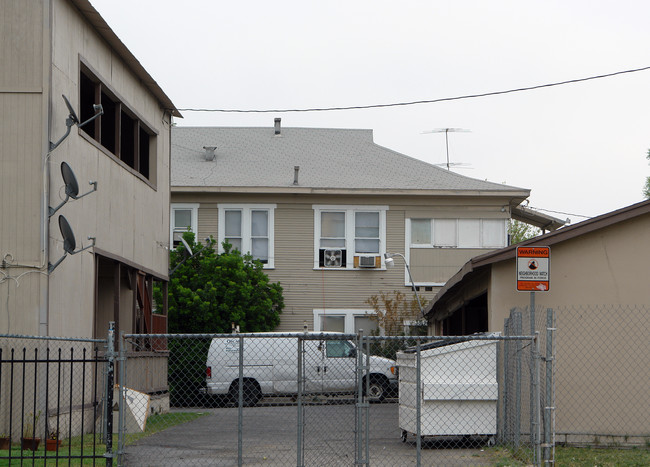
{"points": [[450, 341]]}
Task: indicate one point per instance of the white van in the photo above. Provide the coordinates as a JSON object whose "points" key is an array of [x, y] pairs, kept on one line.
{"points": [[271, 367]]}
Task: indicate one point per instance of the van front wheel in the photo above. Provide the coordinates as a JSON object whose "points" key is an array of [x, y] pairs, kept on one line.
{"points": [[251, 395], [377, 389]]}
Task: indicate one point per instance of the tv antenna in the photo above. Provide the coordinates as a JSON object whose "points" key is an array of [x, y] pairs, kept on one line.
{"points": [[446, 131]]}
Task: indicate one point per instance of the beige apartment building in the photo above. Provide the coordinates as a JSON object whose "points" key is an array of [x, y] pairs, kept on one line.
{"points": [[321, 208]]}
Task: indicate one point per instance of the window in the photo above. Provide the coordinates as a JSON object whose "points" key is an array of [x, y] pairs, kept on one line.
{"points": [[184, 217], [339, 349], [347, 321], [249, 228], [346, 232], [119, 130], [457, 233]]}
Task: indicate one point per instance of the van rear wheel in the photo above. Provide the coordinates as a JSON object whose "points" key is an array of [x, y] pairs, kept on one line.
{"points": [[251, 395]]}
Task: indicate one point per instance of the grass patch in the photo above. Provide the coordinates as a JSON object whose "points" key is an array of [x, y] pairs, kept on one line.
{"points": [[76, 447], [578, 457], [575, 457]]}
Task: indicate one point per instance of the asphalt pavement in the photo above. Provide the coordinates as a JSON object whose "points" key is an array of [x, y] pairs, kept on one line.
{"points": [[269, 438]]}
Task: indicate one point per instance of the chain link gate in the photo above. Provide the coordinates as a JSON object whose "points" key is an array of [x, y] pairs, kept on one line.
{"points": [[323, 399]]}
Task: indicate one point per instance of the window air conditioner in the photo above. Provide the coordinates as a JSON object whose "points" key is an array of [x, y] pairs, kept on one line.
{"points": [[332, 258], [366, 261]]}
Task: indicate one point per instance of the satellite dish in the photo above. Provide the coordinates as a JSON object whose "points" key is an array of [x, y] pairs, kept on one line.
{"points": [[69, 243], [71, 187], [73, 114], [72, 120]]}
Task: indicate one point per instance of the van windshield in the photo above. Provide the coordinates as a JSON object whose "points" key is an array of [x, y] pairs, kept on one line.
{"points": [[339, 349]]}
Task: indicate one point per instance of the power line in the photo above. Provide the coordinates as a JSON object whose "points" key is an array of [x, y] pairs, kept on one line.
{"points": [[559, 212], [427, 101]]}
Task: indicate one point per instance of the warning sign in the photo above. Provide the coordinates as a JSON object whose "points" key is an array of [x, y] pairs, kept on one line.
{"points": [[533, 268]]}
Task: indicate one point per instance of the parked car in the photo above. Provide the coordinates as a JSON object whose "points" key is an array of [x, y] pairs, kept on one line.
{"points": [[270, 367]]}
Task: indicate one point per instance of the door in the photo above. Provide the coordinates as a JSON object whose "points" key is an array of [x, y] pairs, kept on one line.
{"points": [[339, 366], [313, 365]]}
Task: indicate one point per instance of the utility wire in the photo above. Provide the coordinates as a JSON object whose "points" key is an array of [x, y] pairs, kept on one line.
{"points": [[559, 212], [428, 101]]}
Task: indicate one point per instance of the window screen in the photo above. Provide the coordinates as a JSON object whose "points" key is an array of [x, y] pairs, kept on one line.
{"points": [[366, 232], [445, 232], [493, 233], [469, 233], [332, 230]]}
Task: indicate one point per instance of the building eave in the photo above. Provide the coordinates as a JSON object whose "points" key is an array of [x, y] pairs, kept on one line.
{"points": [[104, 30]]}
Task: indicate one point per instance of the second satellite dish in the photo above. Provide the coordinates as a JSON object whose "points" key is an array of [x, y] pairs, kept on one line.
{"points": [[71, 187], [69, 243]]}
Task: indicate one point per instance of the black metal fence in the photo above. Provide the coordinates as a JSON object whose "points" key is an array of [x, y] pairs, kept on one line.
{"points": [[52, 401]]}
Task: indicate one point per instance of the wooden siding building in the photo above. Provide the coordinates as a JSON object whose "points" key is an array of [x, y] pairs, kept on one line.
{"points": [[321, 207]]}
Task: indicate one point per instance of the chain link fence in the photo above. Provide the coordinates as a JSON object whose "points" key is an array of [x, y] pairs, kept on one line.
{"points": [[52, 400], [321, 399], [602, 376]]}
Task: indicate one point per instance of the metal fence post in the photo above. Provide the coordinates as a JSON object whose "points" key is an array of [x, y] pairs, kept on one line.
{"points": [[240, 413], [418, 405], [532, 375], [122, 392], [358, 436], [535, 415], [300, 462], [518, 347], [506, 383], [549, 406], [110, 378]]}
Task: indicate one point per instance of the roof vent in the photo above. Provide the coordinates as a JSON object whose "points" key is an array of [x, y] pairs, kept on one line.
{"points": [[296, 169], [278, 130], [209, 153]]}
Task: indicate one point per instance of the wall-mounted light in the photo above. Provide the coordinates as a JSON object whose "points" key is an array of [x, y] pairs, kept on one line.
{"points": [[390, 262]]}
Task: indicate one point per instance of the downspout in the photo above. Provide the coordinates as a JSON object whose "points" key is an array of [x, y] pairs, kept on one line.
{"points": [[48, 21]]}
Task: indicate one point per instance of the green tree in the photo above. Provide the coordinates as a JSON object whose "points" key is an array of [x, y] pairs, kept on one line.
{"points": [[520, 231], [209, 291], [646, 187]]}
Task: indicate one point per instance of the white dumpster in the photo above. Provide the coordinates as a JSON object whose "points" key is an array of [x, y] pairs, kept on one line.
{"points": [[459, 389]]}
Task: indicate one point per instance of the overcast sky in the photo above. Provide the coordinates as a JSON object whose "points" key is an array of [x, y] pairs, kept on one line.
{"points": [[580, 148]]}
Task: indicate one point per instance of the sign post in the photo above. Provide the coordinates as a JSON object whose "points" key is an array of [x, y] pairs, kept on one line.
{"points": [[533, 275]]}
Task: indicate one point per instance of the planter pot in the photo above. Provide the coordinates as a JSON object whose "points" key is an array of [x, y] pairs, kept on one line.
{"points": [[5, 442], [30, 444], [52, 444]]}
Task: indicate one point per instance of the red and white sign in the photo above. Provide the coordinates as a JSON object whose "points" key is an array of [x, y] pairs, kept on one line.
{"points": [[533, 268]]}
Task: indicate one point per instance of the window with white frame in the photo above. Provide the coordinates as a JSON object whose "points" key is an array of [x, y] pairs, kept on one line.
{"points": [[249, 229], [184, 217], [346, 237], [457, 233], [348, 321]]}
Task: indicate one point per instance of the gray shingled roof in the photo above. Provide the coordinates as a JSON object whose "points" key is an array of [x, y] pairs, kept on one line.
{"points": [[328, 159]]}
